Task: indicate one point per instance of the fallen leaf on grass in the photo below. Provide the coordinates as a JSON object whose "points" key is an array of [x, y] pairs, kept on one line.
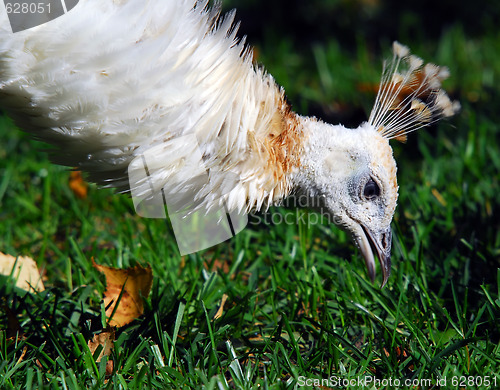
{"points": [[221, 307], [217, 264], [105, 339], [77, 184], [24, 270], [132, 284]]}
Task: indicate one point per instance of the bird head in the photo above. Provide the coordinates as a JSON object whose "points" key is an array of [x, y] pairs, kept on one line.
{"points": [[352, 171], [352, 174]]}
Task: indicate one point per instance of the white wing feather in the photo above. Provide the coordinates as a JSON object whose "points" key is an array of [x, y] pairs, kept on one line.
{"points": [[113, 79]]}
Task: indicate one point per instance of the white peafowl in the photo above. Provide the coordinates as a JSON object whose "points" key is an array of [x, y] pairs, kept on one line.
{"points": [[114, 83]]}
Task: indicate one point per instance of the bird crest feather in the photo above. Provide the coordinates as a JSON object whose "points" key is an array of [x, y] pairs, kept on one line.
{"points": [[410, 95]]}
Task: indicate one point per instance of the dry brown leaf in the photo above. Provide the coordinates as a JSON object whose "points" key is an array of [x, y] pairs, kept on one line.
{"points": [[221, 307], [77, 184], [217, 264], [106, 339], [25, 273], [135, 282]]}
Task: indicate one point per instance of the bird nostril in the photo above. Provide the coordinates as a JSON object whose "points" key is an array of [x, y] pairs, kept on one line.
{"points": [[384, 241]]}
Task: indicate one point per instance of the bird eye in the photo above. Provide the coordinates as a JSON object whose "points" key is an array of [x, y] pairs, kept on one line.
{"points": [[371, 190]]}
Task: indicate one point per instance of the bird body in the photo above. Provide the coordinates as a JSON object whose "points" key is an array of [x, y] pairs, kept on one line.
{"points": [[103, 93], [113, 81]]}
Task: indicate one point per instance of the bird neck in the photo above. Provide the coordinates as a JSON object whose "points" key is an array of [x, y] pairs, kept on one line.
{"points": [[288, 158], [273, 155], [324, 152]]}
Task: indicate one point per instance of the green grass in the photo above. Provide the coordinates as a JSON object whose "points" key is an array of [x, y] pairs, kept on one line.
{"points": [[299, 303]]}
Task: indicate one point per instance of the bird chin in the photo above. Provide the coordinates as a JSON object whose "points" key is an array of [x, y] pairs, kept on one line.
{"points": [[368, 245]]}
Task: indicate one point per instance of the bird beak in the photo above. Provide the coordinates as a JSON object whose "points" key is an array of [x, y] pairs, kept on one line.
{"points": [[369, 242]]}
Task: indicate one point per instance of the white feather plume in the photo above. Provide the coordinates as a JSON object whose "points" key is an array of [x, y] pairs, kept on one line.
{"points": [[410, 95]]}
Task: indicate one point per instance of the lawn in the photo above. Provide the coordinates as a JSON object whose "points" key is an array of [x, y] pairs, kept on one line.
{"points": [[282, 305]]}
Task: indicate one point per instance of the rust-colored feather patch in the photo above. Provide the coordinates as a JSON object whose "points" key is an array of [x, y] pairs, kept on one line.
{"points": [[274, 153], [284, 140]]}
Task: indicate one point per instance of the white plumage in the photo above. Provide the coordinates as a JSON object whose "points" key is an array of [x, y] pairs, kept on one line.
{"points": [[115, 79]]}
